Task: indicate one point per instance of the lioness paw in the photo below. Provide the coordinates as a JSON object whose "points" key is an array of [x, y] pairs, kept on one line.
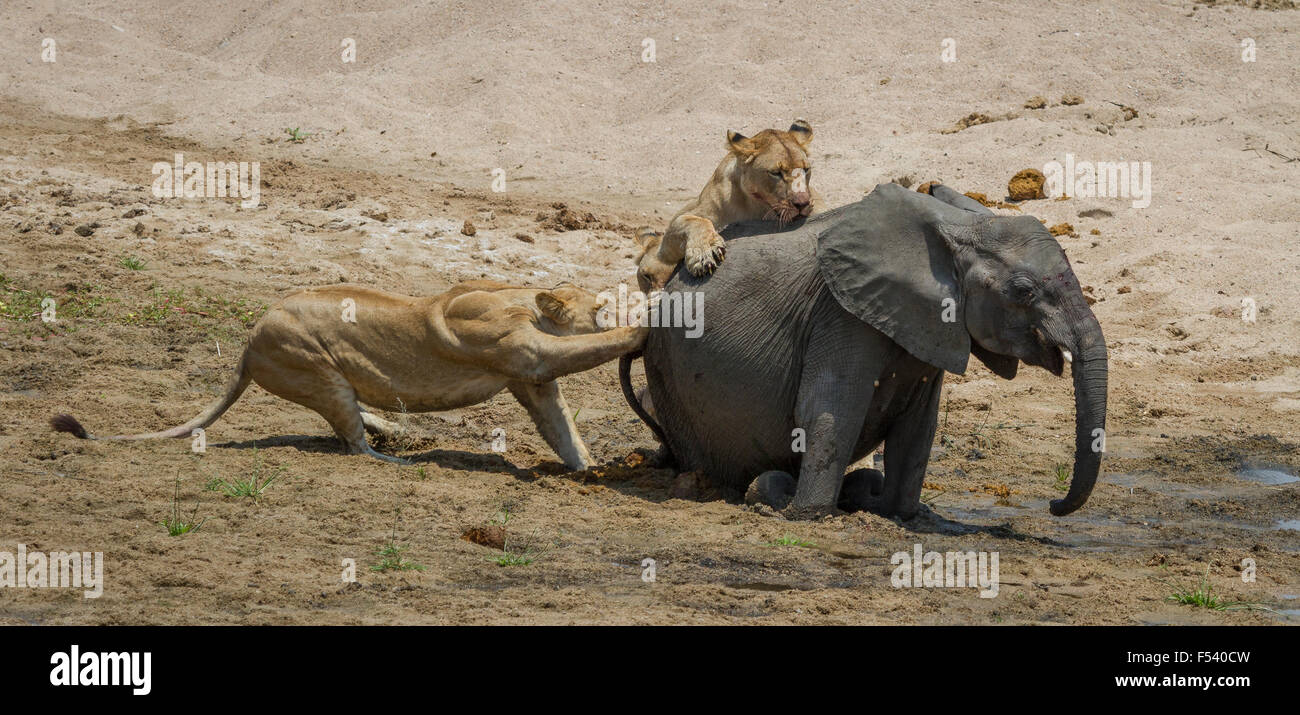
{"points": [[704, 256]]}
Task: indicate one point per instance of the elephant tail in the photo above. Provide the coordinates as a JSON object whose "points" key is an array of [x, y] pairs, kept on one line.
{"points": [[625, 381]]}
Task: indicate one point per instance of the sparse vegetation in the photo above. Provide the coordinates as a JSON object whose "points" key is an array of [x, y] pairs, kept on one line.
{"points": [[254, 485], [1201, 595], [24, 306], [132, 263], [296, 135], [210, 315], [513, 558], [391, 553], [1062, 483], [788, 540], [177, 525]]}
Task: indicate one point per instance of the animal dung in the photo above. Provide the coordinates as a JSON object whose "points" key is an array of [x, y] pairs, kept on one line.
{"points": [[1027, 184]]}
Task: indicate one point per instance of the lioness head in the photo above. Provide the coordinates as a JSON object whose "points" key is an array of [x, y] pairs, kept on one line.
{"points": [[569, 309], [775, 169]]}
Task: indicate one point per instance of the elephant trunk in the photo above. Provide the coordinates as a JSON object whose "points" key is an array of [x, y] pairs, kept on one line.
{"points": [[1090, 373]]}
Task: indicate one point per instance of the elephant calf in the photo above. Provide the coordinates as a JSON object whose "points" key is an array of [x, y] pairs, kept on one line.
{"points": [[822, 341]]}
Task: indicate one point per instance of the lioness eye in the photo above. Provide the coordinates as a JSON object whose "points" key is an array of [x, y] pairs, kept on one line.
{"points": [[777, 174]]}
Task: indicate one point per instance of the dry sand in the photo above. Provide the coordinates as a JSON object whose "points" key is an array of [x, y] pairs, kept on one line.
{"points": [[557, 96]]}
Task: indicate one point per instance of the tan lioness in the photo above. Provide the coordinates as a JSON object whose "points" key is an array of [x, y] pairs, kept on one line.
{"points": [[333, 349], [761, 177]]}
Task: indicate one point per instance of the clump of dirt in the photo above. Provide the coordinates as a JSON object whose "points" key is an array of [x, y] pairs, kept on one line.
{"points": [[563, 218], [493, 537], [1036, 102], [925, 188], [1071, 100], [468, 228], [1027, 184], [968, 121]]}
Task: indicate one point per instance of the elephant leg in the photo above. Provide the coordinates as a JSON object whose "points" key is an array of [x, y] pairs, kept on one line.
{"points": [[907, 448], [834, 394]]}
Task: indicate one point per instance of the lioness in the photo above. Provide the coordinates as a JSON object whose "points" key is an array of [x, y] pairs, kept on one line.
{"points": [[330, 349], [761, 177]]}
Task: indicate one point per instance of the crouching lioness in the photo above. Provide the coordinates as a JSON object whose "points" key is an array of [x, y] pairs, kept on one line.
{"points": [[334, 349]]}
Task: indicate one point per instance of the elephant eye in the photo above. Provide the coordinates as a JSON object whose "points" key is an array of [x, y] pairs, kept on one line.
{"points": [[1021, 289]]}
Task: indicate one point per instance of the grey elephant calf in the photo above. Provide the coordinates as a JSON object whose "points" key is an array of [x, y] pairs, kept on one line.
{"points": [[825, 340]]}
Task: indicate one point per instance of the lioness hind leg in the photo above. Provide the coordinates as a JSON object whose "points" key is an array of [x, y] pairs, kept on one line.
{"points": [[327, 393], [705, 247]]}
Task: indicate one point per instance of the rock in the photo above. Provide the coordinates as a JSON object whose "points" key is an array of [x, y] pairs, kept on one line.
{"points": [[84, 230], [468, 229], [1027, 184], [138, 229], [493, 537], [1070, 100], [132, 213], [1035, 102], [524, 237], [1123, 289]]}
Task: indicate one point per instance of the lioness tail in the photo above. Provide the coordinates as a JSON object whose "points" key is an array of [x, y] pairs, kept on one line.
{"points": [[236, 387]]}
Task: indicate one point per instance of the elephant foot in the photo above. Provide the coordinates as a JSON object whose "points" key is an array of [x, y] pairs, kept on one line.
{"points": [[772, 488], [861, 490], [694, 486]]}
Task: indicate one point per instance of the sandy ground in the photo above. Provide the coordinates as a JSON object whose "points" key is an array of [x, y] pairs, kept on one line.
{"points": [[400, 152]]}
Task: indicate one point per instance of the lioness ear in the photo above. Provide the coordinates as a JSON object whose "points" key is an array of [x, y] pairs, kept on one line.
{"points": [[554, 307], [644, 236], [740, 143], [802, 132]]}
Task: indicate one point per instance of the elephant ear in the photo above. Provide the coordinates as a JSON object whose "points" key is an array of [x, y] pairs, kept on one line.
{"points": [[887, 261]]}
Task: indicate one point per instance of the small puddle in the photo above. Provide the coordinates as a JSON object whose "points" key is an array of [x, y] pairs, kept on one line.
{"points": [[1267, 475]]}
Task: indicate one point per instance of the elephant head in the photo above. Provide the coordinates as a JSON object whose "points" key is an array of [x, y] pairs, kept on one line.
{"points": [[944, 277]]}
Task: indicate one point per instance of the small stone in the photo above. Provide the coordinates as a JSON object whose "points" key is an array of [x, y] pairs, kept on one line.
{"points": [[468, 229], [84, 230], [1070, 100], [1123, 289], [1035, 102]]}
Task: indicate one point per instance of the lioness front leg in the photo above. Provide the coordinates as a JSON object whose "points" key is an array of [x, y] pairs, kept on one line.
{"points": [[545, 404], [533, 356]]}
